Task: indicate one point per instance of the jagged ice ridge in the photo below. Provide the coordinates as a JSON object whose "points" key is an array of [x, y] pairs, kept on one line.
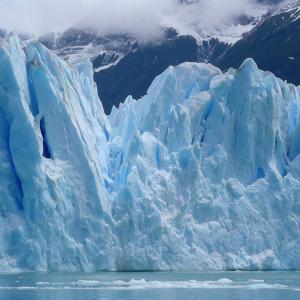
{"points": [[203, 173]]}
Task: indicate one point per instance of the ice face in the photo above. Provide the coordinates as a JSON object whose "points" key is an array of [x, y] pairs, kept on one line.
{"points": [[201, 173], [55, 153]]}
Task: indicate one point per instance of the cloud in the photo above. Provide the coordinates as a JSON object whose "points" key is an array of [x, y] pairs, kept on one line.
{"points": [[144, 19]]}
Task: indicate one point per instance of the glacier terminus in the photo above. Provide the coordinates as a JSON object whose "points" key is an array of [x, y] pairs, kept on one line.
{"points": [[202, 173]]}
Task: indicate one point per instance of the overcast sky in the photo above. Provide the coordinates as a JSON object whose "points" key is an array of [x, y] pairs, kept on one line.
{"points": [[141, 18]]}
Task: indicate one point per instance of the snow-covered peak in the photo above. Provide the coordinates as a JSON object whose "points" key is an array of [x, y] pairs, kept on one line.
{"points": [[290, 7]]}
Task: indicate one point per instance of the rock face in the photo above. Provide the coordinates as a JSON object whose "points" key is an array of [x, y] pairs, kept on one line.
{"points": [[201, 173], [274, 44]]}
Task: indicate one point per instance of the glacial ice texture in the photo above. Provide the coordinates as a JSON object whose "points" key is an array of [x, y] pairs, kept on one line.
{"points": [[203, 173]]}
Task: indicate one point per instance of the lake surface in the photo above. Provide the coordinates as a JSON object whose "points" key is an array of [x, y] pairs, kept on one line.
{"points": [[152, 286]]}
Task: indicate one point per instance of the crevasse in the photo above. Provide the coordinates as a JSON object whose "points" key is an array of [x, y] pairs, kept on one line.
{"points": [[203, 173]]}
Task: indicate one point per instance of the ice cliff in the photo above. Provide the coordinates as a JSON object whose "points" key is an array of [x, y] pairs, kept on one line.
{"points": [[201, 173]]}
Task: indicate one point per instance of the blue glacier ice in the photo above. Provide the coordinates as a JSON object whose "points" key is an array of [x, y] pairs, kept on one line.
{"points": [[202, 173]]}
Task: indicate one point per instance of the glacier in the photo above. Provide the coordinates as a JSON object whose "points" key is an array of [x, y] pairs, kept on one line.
{"points": [[202, 173]]}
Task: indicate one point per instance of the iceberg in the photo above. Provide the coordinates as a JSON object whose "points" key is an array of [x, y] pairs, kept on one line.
{"points": [[202, 173]]}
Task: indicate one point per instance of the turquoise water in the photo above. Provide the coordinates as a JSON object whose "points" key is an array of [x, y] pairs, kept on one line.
{"points": [[152, 286]]}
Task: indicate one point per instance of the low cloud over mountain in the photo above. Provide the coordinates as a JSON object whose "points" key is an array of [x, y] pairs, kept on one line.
{"points": [[144, 19]]}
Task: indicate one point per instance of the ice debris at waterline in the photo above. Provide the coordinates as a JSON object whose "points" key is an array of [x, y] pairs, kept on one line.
{"points": [[202, 173]]}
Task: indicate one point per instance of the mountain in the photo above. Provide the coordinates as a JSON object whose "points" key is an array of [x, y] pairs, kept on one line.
{"points": [[270, 38], [274, 44], [75, 45], [202, 173], [133, 74], [124, 66]]}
